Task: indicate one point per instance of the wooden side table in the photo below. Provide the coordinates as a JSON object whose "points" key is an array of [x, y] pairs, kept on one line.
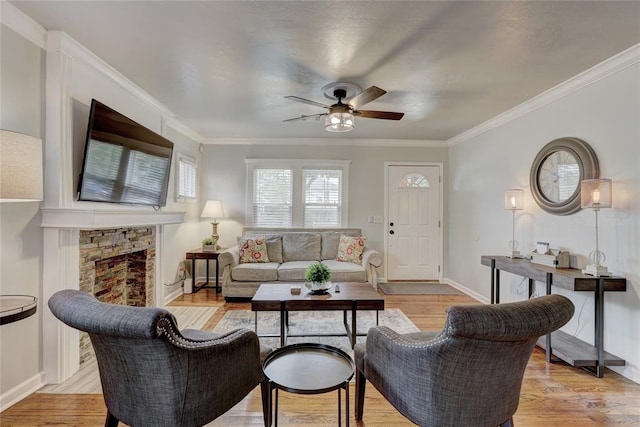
{"points": [[207, 256]]}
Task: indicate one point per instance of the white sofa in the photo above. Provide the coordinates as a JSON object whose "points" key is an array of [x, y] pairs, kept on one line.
{"points": [[291, 251]]}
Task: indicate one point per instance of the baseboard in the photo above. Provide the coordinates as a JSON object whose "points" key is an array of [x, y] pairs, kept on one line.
{"points": [[19, 392], [466, 290], [173, 295]]}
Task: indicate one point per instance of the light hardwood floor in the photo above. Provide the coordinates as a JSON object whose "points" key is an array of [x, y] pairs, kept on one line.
{"points": [[552, 395]]}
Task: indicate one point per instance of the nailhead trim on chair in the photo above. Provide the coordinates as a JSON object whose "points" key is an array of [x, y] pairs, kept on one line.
{"points": [[398, 338], [167, 327]]}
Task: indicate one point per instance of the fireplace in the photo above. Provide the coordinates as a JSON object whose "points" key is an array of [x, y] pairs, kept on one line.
{"points": [[117, 266]]}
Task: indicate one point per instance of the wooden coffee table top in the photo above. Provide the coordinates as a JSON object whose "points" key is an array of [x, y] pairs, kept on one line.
{"points": [[277, 296]]}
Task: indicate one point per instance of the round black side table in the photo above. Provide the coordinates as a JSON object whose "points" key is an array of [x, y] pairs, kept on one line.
{"points": [[16, 307], [308, 368]]}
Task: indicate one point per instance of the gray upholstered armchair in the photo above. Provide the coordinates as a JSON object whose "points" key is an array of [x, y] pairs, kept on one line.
{"points": [[152, 374], [470, 373]]}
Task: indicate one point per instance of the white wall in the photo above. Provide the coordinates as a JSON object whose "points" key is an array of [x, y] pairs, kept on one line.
{"points": [[224, 178], [21, 106], [606, 114], [73, 77]]}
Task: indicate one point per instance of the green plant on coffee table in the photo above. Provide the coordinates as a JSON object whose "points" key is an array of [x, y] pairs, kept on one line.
{"points": [[318, 273]]}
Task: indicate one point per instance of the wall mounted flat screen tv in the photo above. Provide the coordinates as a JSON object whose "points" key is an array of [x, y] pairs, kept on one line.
{"points": [[124, 162]]}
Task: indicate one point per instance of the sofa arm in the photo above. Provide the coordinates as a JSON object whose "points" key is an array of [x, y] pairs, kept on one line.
{"points": [[371, 256], [230, 257]]}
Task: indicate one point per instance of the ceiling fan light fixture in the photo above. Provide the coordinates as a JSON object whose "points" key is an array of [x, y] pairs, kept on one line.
{"points": [[339, 122]]}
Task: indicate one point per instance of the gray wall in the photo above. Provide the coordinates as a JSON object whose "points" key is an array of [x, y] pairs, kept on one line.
{"points": [[22, 109], [225, 173], [605, 114]]}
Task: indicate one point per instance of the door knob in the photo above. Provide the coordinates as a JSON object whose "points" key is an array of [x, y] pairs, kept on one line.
{"points": [[390, 224], [391, 232]]}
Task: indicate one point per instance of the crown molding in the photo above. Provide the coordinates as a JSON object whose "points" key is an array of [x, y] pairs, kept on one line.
{"points": [[185, 130], [599, 71], [61, 42], [23, 24], [328, 141]]}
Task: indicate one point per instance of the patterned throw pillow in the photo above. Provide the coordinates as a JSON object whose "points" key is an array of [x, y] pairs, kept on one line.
{"points": [[253, 250], [350, 249]]}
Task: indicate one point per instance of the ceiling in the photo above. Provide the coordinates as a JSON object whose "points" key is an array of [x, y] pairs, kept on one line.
{"points": [[224, 67]]}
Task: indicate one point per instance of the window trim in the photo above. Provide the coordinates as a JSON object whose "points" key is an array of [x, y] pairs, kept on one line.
{"points": [[297, 166], [183, 158]]}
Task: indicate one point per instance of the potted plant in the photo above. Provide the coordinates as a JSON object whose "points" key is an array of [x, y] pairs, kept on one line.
{"points": [[318, 276], [210, 244]]}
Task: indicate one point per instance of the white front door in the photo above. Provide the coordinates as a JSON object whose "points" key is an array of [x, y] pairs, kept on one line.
{"points": [[413, 243]]}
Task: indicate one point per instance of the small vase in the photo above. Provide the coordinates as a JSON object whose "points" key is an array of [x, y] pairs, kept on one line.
{"points": [[209, 248]]}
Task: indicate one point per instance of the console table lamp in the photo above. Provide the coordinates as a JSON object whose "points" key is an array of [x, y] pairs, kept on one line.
{"points": [[514, 201], [596, 194], [20, 167], [213, 209]]}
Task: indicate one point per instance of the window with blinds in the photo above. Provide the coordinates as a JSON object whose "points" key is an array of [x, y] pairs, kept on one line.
{"points": [[297, 192], [186, 179], [322, 198], [272, 197]]}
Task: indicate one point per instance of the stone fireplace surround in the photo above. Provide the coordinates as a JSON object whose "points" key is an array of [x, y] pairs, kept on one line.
{"points": [[117, 266]]}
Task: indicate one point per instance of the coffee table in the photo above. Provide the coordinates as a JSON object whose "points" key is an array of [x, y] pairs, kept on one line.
{"points": [[308, 369], [352, 297]]}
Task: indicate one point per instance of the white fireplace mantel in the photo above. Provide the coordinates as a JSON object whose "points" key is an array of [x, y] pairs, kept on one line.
{"points": [[90, 219]]}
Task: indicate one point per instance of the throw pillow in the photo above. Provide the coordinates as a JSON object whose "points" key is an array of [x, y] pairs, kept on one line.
{"points": [[253, 249], [350, 249]]}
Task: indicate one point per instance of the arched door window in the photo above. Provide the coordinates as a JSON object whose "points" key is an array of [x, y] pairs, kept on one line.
{"points": [[414, 180]]}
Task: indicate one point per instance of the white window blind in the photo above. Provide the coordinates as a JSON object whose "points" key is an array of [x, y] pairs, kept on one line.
{"points": [[297, 192], [322, 198], [186, 178], [272, 197]]}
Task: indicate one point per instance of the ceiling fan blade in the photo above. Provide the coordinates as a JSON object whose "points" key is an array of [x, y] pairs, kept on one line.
{"points": [[366, 96], [386, 115], [306, 101], [303, 117]]}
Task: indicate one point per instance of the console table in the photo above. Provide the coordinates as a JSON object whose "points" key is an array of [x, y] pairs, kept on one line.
{"points": [[566, 347]]}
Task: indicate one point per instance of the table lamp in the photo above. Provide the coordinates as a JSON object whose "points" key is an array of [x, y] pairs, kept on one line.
{"points": [[514, 201], [213, 209], [596, 194]]}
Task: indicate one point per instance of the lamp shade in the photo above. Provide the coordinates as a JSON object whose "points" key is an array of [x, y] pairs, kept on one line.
{"points": [[212, 209], [20, 167], [595, 193], [514, 199]]}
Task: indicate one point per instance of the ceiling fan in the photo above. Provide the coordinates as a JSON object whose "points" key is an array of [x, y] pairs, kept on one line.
{"points": [[340, 117]]}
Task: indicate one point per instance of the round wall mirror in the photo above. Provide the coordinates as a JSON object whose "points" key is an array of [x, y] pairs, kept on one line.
{"points": [[556, 173]]}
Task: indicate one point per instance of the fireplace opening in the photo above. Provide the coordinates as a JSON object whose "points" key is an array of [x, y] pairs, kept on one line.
{"points": [[121, 279]]}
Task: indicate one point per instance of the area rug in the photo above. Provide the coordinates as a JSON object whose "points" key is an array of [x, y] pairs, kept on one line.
{"points": [[314, 322], [417, 288], [87, 379]]}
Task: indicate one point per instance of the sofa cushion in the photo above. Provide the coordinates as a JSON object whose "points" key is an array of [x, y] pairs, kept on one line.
{"points": [[253, 249], [293, 270], [301, 247], [330, 240], [346, 271], [350, 249], [255, 272]]}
